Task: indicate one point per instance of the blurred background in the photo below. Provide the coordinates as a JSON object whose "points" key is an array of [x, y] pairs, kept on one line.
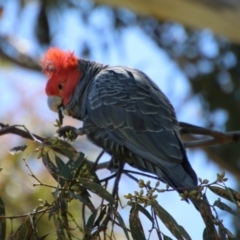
{"points": [[191, 50]]}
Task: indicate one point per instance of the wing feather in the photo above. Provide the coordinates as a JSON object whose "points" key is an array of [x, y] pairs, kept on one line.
{"points": [[133, 112]]}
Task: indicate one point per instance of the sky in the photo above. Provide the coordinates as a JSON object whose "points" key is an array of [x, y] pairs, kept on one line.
{"points": [[20, 87]]}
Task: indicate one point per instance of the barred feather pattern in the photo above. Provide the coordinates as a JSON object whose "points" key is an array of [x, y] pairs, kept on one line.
{"points": [[125, 113]]}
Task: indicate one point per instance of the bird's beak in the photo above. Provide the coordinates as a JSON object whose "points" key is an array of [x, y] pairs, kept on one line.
{"points": [[54, 103]]}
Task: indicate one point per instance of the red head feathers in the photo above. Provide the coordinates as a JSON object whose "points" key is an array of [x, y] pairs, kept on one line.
{"points": [[62, 69]]}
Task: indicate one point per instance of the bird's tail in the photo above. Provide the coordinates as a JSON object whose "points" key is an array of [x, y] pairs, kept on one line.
{"points": [[188, 182]]}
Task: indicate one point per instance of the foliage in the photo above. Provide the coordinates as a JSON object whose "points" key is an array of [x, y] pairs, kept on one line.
{"points": [[75, 180], [214, 78], [213, 71]]}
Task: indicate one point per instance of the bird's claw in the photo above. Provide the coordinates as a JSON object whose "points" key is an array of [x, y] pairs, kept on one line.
{"points": [[70, 132], [113, 164]]}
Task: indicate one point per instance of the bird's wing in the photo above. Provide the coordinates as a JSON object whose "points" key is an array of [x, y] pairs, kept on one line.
{"points": [[135, 113]]}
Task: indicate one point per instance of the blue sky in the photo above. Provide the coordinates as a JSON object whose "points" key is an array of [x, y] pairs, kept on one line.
{"points": [[133, 48]]}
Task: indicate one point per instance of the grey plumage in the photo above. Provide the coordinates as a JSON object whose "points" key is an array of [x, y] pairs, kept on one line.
{"points": [[127, 115]]}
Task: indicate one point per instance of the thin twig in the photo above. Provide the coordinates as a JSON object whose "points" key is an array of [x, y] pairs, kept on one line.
{"points": [[98, 159], [117, 180], [14, 129], [46, 185], [104, 224], [217, 137], [157, 228], [6, 129], [138, 173], [132, 177], [27, 214], [108, 178]]}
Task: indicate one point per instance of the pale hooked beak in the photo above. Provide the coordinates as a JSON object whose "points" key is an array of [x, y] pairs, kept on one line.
{"points": [[54, 103]]}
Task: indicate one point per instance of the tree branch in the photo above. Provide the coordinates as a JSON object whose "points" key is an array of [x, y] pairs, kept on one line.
{"points": [[21, 59], [216, 136], [14, 129]]}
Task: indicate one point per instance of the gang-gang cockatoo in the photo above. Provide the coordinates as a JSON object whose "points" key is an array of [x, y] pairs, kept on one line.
{"points": [[124, 112]]}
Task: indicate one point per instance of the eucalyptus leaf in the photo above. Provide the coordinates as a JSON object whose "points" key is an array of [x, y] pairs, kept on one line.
{"points": [[97, 188], [142, 210], [228, 193], [120, 221], [223, 206], [136, 225], [169, 221]]}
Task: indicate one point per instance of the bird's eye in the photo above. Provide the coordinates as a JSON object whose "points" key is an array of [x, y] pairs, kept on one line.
{"points": [[51, 68], [60, 86]]}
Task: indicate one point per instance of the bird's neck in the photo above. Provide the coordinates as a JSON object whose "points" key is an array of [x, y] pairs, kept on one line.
{"points": [[77, 104]]}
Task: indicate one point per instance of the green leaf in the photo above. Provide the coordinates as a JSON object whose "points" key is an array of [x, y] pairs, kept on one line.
{"points": [[65, 148], [63, 171], [178, 231], [120, 221], [73, 166], [136, 225], [24, 231], [97, 188], [184, 232], [2, 220], [166, 237], [44, 236], [87, 171], [80, 163], [230, 235], [142, 210], [90, 222], [60, 163], [18, 149], [52, 169], [223, 206], [228, 193], [209, 233], [83, 197], [224, 233], [101, 216]]}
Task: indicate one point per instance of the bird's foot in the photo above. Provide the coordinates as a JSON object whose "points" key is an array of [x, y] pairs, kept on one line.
{"points": [[70, 132], [113, 164]]}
